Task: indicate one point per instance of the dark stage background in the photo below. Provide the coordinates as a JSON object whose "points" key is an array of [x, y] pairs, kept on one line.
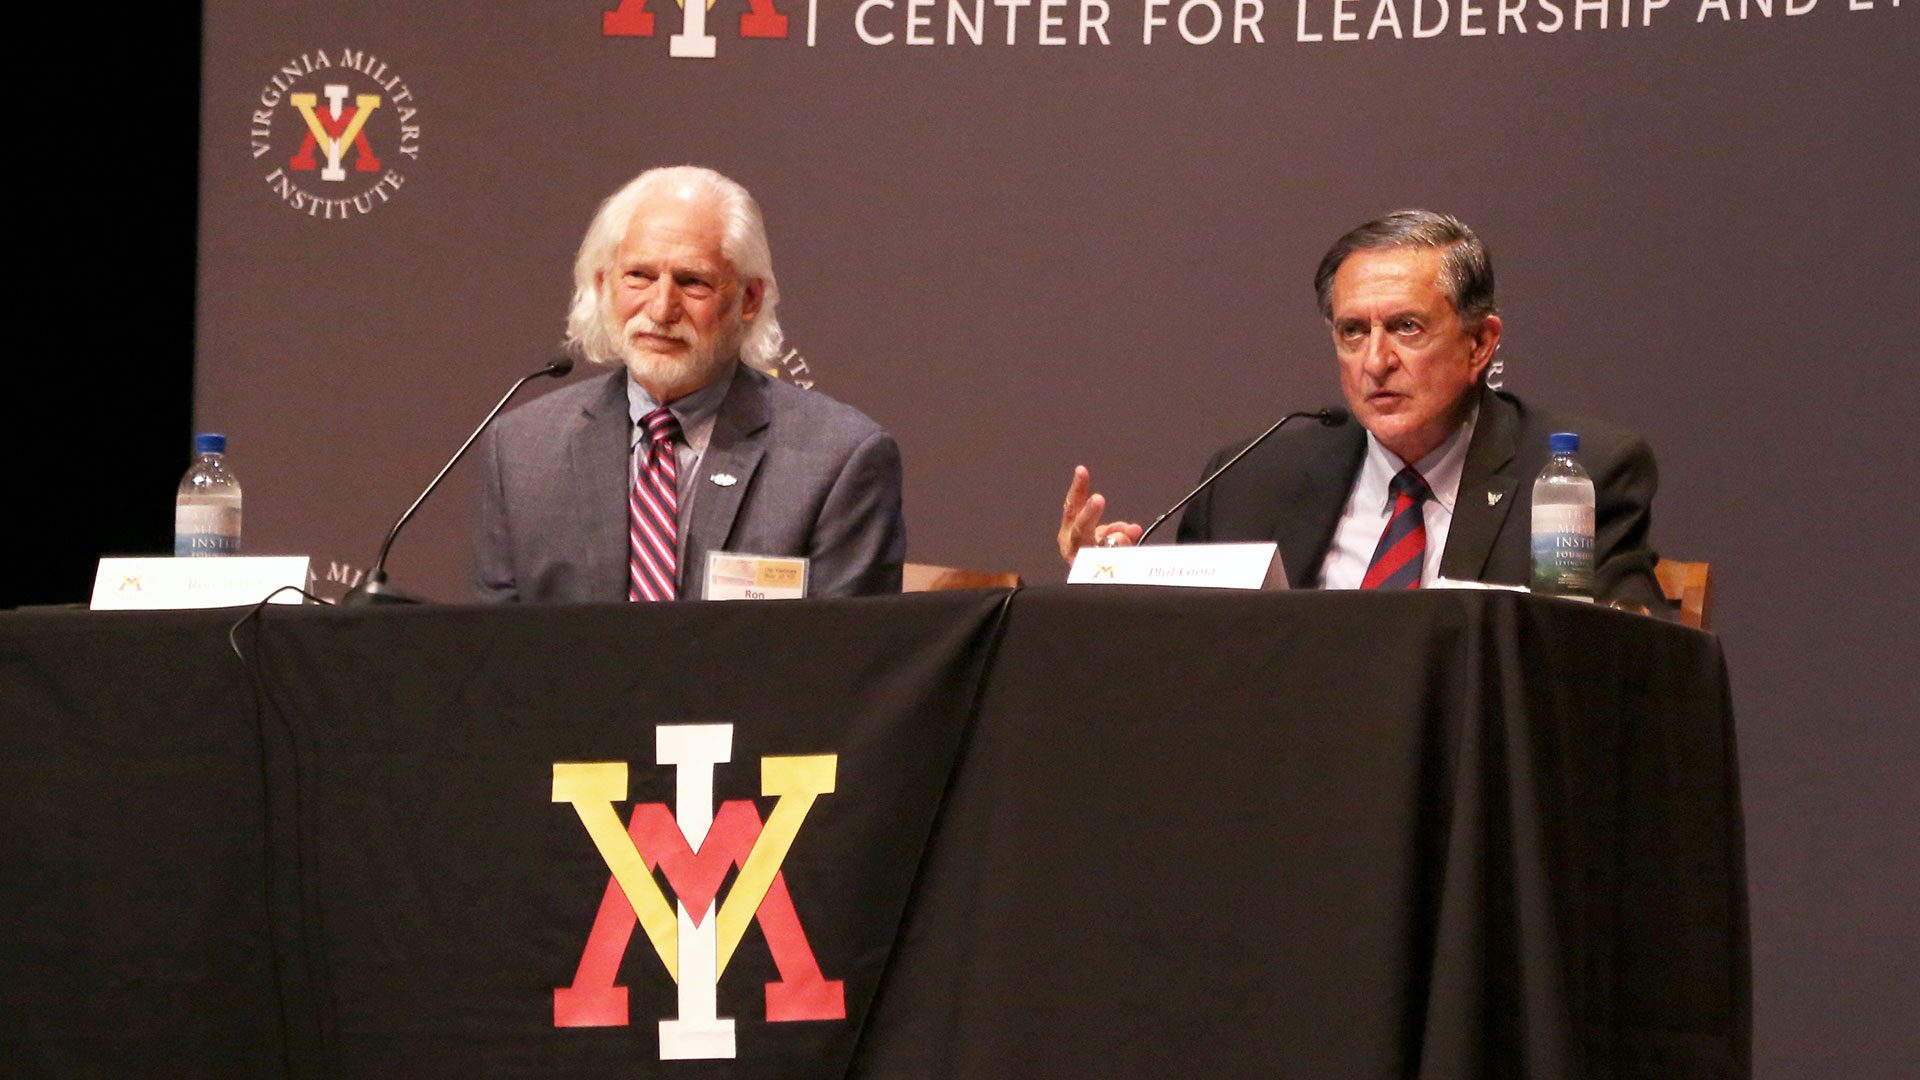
{"points": [[1023, 256]]}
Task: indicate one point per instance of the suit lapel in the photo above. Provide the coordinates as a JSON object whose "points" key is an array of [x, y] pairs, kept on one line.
{"points": [[738, 441], [1305, 530], [597, 453], [1486, 496]]}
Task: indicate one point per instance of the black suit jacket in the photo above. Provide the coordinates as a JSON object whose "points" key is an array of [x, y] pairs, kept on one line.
{"points": [[1293, 487]]}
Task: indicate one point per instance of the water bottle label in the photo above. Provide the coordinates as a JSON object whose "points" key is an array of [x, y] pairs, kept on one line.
{"points": [[1563, 550], [206, 530]]}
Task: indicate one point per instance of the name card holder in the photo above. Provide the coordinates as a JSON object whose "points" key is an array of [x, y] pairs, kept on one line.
{"points": [[160, 584], [1200, 566]]}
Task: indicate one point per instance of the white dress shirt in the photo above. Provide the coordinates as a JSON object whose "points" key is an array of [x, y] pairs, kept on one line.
{"points": [[1370, 506]]}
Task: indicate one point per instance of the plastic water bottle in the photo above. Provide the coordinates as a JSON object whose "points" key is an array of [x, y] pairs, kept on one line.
{"points": [[206, 512], [1563, 523]]}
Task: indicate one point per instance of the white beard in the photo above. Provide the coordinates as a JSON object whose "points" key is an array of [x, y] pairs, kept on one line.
{"points": [[670, 377]]}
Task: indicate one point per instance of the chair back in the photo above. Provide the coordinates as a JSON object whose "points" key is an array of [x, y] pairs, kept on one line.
{"points": [[1688, 585], [922, 577]]}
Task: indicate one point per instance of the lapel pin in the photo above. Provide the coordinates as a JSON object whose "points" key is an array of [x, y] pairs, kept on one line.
{"points": [[724, 479], [1493, 498]]}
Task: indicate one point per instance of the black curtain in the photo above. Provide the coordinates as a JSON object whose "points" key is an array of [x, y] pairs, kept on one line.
{"points": [[106, 204]]}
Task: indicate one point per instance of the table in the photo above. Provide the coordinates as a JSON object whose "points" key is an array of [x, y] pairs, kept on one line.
{"points": [[1063, 832]]}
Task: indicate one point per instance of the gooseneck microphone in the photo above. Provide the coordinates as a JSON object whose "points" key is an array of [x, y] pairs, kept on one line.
{"points": [[1330, 417], [373, 587]]}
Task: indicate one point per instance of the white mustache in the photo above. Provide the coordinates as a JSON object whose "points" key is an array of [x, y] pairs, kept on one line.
{"points": [[641, 324]]}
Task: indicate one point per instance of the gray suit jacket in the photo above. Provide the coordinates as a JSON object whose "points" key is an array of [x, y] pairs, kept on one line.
{"points": [[815, 478], [1293, 488]]}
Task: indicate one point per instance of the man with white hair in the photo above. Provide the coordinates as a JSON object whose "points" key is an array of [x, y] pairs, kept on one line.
{"points": [[619, 487]]}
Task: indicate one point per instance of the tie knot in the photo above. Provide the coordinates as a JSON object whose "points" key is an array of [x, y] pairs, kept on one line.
{"points": [[1409, 484], [660, 425]]}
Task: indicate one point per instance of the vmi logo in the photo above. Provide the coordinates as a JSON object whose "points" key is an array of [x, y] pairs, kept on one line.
{"points": [[694, 847], [632, 19], [341, 124], [354, 127]]}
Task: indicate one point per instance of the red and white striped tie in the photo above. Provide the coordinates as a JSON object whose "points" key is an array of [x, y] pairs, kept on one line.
{"points": [[653, 509]]}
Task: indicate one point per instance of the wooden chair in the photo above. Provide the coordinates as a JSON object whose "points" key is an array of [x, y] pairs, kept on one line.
{"points": [[1686, 584], [920, 577]]}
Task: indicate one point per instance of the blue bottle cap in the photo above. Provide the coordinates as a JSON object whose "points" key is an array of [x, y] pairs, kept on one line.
{"points": [[1564, 442], [217, 444]]}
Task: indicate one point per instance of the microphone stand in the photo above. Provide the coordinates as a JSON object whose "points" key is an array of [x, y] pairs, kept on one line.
{"points": [[373, 588], [1331, 417]]}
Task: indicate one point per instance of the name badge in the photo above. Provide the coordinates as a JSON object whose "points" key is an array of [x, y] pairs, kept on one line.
{"points": [[224, 581], [1206, 566], [732, 576]]}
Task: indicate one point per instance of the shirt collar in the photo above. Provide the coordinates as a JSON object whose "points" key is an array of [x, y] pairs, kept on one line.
{"points": [[695, 411], [1441, 468]]}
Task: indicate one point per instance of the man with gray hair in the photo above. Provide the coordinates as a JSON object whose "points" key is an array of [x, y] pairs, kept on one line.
{"points": [[621, 487], [1436, 478]]}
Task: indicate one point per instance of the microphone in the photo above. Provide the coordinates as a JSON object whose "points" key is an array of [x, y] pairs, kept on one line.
{"points": [[1333, 416], [373, 587]]}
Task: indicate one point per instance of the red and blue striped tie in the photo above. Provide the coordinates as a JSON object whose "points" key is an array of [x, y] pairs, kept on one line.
{"points": [[1403, 545], [653, 510]]}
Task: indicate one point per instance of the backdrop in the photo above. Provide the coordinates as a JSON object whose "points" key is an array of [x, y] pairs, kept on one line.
{"points": [[1032, 233]]}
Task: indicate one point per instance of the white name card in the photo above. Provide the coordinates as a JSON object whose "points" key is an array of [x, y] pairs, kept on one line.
{"points": [[1457, 583], [211, 582], [732, 576], [1208, 566]]}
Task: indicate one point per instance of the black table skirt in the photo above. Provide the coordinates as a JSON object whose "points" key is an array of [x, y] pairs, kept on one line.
{"points": [[1072, 832]]}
